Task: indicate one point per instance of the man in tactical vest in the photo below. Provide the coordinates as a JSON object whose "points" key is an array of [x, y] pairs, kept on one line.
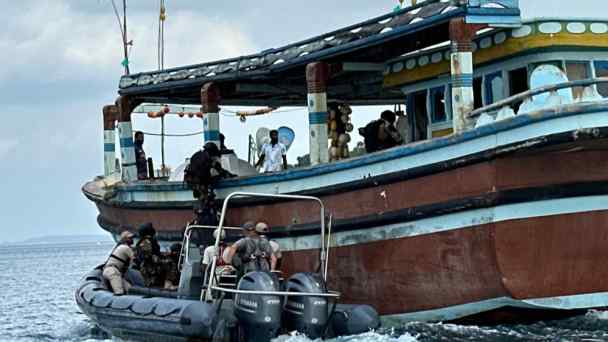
{"points": [[251, 253], [148, 255], [118, 264]]}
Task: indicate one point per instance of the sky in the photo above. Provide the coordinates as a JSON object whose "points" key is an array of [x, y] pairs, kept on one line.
{"points": [[61, 64]]}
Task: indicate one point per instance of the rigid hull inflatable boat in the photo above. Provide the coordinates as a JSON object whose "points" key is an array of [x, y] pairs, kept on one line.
{"points": [[260, 308]]}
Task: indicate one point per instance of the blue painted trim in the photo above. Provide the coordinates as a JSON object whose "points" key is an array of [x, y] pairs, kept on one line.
{"points": [[126, 142], [396, 153], [318, 118], [109, 147], [462, 81], [212, 135]]}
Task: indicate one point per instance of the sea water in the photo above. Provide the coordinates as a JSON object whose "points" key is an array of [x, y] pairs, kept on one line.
{"points": [[37, 285]]}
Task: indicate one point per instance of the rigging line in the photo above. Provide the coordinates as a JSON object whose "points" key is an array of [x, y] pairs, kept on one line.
{"points": [[174, 135]]}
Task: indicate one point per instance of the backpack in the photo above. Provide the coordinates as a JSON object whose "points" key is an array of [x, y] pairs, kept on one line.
{"points": [[370, 135]]}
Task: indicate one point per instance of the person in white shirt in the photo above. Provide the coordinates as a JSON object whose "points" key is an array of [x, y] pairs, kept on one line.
{"points": [[274, 155]]}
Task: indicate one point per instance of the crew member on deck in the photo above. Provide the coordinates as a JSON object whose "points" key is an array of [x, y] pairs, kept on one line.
{"points": [[274, 154], [117, 264], [140, 156], [381, 134]]}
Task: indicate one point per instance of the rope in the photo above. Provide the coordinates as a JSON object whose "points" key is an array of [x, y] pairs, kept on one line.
{"points": [[174, 135]]}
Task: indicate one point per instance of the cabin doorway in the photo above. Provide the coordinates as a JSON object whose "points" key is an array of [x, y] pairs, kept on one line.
{"points": [[417, 111], [518, 83]]}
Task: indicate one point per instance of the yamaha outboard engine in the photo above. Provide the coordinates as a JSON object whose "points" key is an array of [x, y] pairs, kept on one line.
{"points": [[259, 316], [307, 315]]}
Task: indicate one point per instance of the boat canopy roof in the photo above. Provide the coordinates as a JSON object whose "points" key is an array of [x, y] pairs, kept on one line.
{"points": [[357, 55]]}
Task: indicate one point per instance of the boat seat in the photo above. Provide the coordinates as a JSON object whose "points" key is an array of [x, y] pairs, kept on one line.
{"points": [[191, 279]]}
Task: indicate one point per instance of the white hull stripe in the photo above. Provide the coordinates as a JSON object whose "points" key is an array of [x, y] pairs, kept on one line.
{"points": [[452, 222], [581, 301]]}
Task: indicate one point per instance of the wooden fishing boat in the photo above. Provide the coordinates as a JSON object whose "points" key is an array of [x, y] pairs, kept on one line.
{"points": [[499, 201]]}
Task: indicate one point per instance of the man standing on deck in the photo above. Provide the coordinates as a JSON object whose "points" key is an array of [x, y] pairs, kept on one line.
{"points": [[274, 154], [118, 264], [140, 156]]}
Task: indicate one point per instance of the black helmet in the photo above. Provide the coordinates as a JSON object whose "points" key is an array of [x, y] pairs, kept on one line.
{"points": [[212, 149], [146, 229]]}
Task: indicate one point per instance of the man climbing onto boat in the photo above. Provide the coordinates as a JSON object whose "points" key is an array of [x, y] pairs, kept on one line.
{"points": [[140, 156], [148, 256], [118, 264], [273, 155], [251, 253]]}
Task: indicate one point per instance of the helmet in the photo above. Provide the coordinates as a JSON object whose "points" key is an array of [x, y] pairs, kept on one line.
{"points": [[126, 235], [146, 229], [212, 149], [248, 226], [262, 228], [223, 234]]}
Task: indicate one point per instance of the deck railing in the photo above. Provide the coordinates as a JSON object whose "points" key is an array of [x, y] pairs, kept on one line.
{"points": [[528, 95]]}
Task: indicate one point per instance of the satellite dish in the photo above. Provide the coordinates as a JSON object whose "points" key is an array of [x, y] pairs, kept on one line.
{"points": [[286, 136], [546, 75]]}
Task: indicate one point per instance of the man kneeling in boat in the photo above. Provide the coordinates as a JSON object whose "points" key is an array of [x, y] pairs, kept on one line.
{"points": [[221, 267], [251, 253], [118, 264]]}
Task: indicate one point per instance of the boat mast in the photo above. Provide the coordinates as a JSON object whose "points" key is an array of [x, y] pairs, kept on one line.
{"points": [[124, 36]]}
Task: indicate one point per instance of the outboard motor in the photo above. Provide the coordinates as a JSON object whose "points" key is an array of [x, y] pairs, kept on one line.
{"points": [[307, 315], [259, 316]]}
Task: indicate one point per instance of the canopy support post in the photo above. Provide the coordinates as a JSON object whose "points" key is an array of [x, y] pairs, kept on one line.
{"points": [[210, 99], [110, 114], [125, 133], [317, 75], [463, 97]]}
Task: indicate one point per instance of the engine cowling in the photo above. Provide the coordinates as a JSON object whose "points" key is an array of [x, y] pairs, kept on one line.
{"points": [[259, 316], [307, 315]]}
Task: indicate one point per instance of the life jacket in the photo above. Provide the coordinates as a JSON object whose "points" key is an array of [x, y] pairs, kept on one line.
{"points": [[256, 256], [125, 263]]}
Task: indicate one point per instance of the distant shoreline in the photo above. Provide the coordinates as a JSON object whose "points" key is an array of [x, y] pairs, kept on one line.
{"points": [[60, 239]]}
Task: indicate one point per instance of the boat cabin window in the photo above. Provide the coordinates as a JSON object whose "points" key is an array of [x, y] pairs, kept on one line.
{"points": [[518, 83], [477, 86], [601, 70], [494, 88], [577, 71], [438, 105], [417, 109]]}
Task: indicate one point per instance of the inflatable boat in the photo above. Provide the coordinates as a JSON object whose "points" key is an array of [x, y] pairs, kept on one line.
{"points": [[260, 307]]}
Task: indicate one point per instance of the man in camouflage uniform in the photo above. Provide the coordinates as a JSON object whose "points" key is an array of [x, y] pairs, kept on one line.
{"points": [[148, 256], [171, 267]]}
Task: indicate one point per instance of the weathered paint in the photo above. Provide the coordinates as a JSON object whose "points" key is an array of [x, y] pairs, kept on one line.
{"points": [[127, 151], [461, 67], [210, 97], [109, 152], [515, 44], [403, 158], [317, 75]]}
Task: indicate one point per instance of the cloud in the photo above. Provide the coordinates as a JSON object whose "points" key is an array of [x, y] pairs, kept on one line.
{"points": [[7, 146]]}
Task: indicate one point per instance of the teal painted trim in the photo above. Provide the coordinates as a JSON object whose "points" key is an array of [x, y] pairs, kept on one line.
{"points": [[126, 142], [128, 164], [396, 153], [462, 81], [316, 118], [109, 147], [212, 135]]}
